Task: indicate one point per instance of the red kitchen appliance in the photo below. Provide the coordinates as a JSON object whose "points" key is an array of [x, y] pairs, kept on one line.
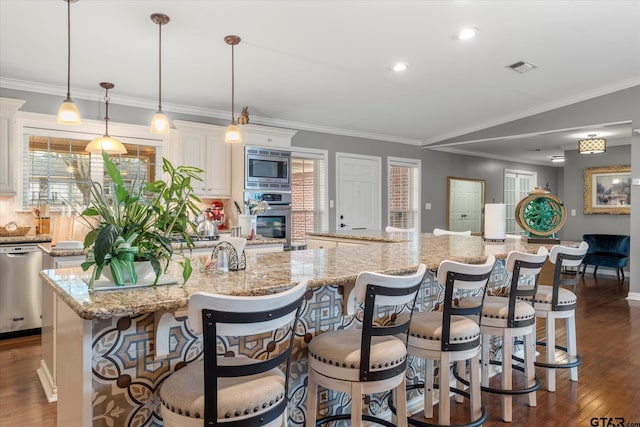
{"points": [[216, 213]]}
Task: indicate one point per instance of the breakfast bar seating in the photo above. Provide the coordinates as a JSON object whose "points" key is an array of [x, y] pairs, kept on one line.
{"points": [[238, 390], [451, 336], [555, 301], [109, 345], [371, 359], [508, 317]]}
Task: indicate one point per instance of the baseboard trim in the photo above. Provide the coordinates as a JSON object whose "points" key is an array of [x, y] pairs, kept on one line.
{"points": [[605, 271], [633, 296], [46, 380]]}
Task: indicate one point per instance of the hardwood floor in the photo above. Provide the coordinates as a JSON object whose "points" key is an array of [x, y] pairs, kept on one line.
{"points": [[608, 329]]}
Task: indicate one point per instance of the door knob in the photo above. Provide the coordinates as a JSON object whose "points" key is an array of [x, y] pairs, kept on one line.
{"points": [[343, 225]]}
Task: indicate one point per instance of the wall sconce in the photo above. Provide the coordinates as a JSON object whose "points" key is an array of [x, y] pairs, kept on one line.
{"points": [[68, 113], [592, 145], [160, 123], [232, 134], [105, 142]]}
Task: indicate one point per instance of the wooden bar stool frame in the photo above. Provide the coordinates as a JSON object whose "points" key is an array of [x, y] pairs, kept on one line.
{"points": [[451, 351], [376, 293]]}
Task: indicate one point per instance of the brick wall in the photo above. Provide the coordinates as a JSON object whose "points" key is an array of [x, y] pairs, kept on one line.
{"points": [[302, 205]]}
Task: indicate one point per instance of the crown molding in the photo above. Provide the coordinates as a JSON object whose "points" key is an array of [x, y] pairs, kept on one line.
{"points": [[510, 159], [149, 104]]}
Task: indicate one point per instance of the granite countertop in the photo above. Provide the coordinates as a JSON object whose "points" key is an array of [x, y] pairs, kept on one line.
{"points": [[369, 235], [29, 238], [55, 252], [269, 273]]}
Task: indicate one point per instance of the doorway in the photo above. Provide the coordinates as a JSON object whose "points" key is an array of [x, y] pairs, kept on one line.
{"points": [[466, 201], [358, 192]]}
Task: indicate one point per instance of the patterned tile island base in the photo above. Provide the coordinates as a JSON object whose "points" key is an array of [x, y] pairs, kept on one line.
{"points": [[112, 377]]}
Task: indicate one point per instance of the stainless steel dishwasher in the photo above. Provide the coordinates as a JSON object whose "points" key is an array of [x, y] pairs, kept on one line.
{"points": [[20, 289]]}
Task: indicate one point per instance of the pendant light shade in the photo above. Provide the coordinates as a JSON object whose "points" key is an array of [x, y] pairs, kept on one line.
{"points": [[68, 113], [233, 133], [159, 122], [592, 145], [106, 142]]}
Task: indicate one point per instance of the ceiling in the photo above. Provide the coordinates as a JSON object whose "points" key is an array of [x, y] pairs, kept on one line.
{"points": [[325, 65]]}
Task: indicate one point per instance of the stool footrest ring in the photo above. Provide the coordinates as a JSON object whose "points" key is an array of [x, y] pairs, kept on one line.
{"points": [[517, 391], [567, 365], [348, 417], [414, 422]]}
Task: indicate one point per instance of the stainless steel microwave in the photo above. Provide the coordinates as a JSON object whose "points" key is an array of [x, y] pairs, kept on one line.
{"points": [[267, 169]]}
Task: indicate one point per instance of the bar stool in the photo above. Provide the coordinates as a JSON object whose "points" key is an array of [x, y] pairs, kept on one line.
{"points": [[555, 302], [234, 391], [509, 317], [441, 232], [368, 360], [390, 229], [451, 336]]}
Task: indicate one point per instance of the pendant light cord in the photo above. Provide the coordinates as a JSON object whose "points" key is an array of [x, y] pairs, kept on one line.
{"points": [[106, 113], [68, 49], [233, 120], [160, 66]]}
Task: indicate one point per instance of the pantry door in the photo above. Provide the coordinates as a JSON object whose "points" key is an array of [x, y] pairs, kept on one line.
{"points": [[358, 192]]}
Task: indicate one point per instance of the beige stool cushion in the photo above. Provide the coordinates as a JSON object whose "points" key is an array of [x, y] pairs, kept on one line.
{"points": [[341, 349], [183, 392], [496, 309], [545, 294], [427, 325]]}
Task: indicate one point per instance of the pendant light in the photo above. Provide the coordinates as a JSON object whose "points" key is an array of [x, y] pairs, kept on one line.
{"points": [[105, 142], [160, 123], [68, 113], [232, 133]]}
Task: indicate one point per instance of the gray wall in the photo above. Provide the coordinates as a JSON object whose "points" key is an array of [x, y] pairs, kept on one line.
{"points": [[436, 167], [582, 223]]}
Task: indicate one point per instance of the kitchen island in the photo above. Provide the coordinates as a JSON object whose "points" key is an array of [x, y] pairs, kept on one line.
{"points": [[116, 348]]}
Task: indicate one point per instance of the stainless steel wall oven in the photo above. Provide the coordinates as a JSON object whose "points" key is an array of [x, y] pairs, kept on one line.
{"points": [[275, 223]]}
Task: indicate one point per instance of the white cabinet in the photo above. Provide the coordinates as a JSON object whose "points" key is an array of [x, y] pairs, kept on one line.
{"points": [[9, 145], [203, 146]]}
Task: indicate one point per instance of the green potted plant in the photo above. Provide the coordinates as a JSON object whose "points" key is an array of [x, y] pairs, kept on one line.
{"points": [[139, 222]]}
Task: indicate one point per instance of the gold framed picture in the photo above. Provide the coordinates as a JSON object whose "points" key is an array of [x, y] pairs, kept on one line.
{"points": [[607, 190]]}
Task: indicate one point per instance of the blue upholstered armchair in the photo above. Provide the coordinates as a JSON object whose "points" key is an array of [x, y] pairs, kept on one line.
{"points": [[607, 250]]}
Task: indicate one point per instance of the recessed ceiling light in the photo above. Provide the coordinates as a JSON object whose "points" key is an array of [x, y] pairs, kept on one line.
{"points": [[467, 33], [400, 66], [557, 159]]}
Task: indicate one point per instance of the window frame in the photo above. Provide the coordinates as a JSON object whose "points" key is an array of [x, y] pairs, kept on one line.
{"points": [[534, 179], [46, 125], [322, 156], [407, 163]]}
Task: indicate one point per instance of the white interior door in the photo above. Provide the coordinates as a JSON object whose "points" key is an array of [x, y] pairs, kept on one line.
{"points": [[465, 205], [358, 192]]}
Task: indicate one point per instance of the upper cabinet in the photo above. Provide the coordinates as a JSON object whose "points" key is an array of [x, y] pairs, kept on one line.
{"points": [[265, 136], [203, 146], [8, 145]]}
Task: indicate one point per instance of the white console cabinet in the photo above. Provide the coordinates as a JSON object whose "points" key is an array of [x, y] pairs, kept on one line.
{"points": [[202, 145]]}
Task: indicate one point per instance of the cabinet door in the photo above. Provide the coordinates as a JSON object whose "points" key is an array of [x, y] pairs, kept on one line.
{"points": [[193, 147], [218, 166]]}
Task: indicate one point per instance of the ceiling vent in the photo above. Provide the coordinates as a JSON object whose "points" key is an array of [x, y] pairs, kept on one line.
{"points": [[522, 66]]}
